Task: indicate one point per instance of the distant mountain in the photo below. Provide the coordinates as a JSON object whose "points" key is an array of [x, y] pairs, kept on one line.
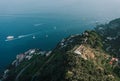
{"points": [[91, 56]]}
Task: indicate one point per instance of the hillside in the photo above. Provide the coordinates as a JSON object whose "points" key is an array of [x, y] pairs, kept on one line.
{"points": [[111, 36], [77, 58]]}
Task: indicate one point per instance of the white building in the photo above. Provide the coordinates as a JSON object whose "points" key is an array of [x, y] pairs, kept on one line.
{"points": [[28, 57], [47, 54], [32, 51], [20, 57], [5, 73]]}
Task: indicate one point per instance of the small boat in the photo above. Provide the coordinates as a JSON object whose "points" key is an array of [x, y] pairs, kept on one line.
{"points": [[55, 28], [33, 37], [38, 24], [46, 36], [10, 37]]}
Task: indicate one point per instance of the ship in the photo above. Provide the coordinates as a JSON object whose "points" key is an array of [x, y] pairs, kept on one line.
{"points": [[9, 38]]}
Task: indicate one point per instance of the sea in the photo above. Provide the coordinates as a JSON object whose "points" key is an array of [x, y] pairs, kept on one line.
{"points": [[41, 31]]}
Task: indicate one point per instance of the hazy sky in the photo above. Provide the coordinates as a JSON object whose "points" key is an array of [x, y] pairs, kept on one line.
{"points": [[91, 7]]}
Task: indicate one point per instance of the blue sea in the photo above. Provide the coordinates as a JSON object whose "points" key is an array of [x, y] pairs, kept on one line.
{"points": [[47, 30]]}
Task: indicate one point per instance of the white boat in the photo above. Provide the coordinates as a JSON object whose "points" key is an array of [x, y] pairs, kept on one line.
{"points": [[55, 28], [33, 37], [38, 24], [10, 37]]}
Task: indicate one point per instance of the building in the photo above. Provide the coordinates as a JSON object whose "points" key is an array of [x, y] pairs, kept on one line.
{"points": [[20, 57]]}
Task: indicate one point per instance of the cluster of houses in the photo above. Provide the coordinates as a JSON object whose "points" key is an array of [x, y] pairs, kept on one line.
{"points": [[28, 56], [65, 42], [81, 51], [111, 38], [25, 56], [5, 73], [113, 60], [62, 43], [86, 37]]}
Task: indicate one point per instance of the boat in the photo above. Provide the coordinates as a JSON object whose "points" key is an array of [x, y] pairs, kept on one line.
{"points": [[33, 37], [55, 28], [38, 24], [10, 37]]}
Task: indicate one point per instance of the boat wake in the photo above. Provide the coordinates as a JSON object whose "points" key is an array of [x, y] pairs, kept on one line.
{"points": [[11, 38], [39, 24]]}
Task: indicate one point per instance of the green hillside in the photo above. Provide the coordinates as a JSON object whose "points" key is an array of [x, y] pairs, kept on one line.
{"points": [[76, 58]]}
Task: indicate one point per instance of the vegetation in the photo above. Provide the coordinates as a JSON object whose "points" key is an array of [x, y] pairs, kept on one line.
{"points": [[111, 36], [65, 65]]}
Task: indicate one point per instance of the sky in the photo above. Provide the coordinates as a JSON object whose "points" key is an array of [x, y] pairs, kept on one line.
{"points": [[77, 7]]}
